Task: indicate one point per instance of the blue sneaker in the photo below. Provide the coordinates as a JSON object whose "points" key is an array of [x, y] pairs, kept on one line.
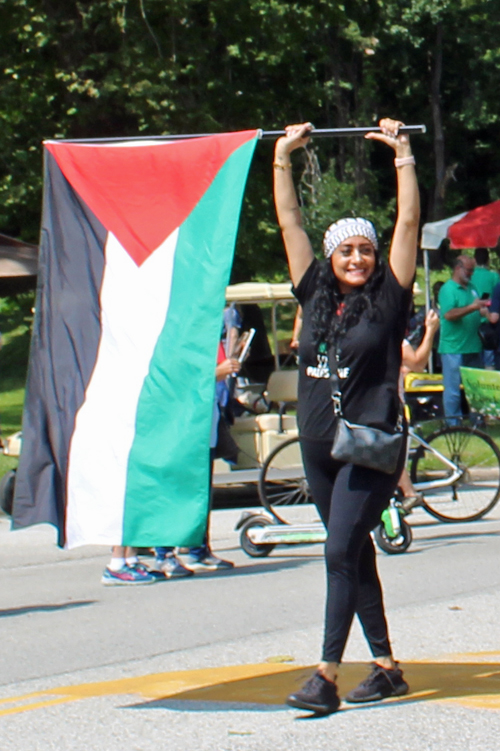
{"points": [[171, 567], [136, 574], [207, 562], [157, 575]]}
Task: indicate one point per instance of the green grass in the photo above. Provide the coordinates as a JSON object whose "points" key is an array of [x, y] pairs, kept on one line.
{"points": [[6, 463], [11, 411], [11, 405], [16, 315], [493, 430]]}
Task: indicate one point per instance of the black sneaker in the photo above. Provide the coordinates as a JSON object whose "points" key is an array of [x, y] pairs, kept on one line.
{"points": [[317, 694], [380, 684]]}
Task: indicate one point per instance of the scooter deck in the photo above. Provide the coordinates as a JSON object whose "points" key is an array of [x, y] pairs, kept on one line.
{"points": [[286, 534]]}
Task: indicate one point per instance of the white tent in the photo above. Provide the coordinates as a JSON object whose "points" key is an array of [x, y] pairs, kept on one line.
{"points": [[433, 233]]}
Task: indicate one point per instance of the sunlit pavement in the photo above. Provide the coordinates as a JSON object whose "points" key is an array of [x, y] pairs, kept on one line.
{"points": [[208, 662], [470, 680]]}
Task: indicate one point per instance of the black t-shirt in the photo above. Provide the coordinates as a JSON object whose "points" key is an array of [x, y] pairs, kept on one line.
{"points": [[370, 360]]}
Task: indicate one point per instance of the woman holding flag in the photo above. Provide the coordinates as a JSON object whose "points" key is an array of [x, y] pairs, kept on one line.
{"points": [[354, 320]]}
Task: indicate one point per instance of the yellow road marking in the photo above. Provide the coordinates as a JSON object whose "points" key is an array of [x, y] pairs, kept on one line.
{"points": [[36, 705], [154, 686], [471, 680], [491, 656]]}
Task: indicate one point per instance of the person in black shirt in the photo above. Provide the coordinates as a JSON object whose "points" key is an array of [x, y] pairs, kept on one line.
{"points": [[354, 320]]}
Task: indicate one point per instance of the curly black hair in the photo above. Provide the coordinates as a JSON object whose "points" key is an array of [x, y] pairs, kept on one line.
{"points": [[327, 325]]}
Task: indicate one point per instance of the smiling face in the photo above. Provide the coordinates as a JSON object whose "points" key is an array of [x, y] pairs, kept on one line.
{"points": [[353, 263]]}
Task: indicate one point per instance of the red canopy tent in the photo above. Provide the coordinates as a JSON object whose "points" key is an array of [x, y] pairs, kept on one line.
{"points": [[479, 228]]}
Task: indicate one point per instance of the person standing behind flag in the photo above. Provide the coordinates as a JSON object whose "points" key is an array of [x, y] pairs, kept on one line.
{"points": [[125, 567], [201, 558]]}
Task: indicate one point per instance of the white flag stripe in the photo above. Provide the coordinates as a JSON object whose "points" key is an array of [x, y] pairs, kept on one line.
{"points": [[134, 304]]}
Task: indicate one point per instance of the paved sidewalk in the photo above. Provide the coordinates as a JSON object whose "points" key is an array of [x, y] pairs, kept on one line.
{"points": [[206, 663]]}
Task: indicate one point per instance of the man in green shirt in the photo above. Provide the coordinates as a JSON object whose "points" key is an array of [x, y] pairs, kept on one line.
{"points": [[459, 344], [485, 280]]}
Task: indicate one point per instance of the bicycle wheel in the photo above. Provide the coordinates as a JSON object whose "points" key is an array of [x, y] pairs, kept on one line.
{"points": [[476, 491], [282, 483]]}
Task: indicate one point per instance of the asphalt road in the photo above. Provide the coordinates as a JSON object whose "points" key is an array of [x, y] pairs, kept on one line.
{"points": [[205, 662]]}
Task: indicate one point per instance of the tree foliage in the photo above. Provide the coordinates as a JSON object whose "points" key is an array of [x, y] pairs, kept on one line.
{"points": [[82, 68]]}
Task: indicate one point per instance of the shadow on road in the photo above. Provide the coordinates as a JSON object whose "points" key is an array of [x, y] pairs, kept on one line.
{"points": [[454, 538], [251, 569], [9, 612], [264, 687], [473, 684]]}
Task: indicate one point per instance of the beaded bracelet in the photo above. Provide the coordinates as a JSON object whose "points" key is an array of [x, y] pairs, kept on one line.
{"points": [[401, 161]]}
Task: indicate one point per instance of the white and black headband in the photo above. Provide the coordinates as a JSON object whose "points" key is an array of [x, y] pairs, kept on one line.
{"points": [[341, 230]]}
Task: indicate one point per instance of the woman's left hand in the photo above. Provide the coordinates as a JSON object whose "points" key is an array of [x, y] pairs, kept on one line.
{"points": [[390, 135]]}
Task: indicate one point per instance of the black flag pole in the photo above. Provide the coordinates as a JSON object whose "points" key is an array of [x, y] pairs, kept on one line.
{"points": [[344, 132], [266, 135]]}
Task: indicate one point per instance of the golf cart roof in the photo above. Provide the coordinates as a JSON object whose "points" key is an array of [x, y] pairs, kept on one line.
{"points": [[259, 292]]}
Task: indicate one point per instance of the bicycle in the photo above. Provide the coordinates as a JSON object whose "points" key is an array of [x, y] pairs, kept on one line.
{"points": [[456, 469]]}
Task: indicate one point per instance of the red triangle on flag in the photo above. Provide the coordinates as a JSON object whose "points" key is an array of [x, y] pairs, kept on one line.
{"points": [[141, 192]]}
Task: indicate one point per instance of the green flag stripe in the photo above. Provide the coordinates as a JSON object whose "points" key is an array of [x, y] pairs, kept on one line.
{"points": [[166, 497]]}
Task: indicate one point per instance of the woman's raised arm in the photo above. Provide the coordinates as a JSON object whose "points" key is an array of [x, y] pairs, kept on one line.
{"points": [[403, 251], [297, 246]]}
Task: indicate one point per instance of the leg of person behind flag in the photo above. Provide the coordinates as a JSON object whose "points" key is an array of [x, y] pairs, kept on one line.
{"points": [[167, 562], [201, 558], [124, 568]]}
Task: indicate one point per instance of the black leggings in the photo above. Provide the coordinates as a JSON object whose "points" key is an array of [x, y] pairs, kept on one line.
{"points": [[350, 500]]}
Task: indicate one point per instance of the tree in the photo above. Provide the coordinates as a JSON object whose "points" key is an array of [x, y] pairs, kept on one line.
{"points": [[77, 69]]}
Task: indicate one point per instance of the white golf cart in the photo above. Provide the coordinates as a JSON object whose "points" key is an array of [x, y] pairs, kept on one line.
{"points": [[257, 435]]}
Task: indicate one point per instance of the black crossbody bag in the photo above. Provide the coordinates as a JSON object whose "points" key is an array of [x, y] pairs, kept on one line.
{"points": [[360, 444]]}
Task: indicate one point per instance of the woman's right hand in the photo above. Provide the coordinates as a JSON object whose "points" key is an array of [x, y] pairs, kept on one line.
{"points": [[297, 136], [226, 368], [298, 248]]}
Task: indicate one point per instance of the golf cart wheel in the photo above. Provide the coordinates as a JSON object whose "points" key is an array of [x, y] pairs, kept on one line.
{"points": [[282, 480], [252, 549], [393, 545], [7, 484]]}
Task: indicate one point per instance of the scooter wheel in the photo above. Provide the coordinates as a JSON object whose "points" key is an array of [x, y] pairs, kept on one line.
{"points": [[251, 548], [393, 545]]}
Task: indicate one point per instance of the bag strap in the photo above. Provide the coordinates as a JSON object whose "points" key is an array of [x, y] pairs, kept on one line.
{"points": [[337, 394], [335, 385]]}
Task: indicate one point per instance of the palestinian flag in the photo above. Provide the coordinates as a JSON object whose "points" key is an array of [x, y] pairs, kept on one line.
{"points": [[136, 249]]}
